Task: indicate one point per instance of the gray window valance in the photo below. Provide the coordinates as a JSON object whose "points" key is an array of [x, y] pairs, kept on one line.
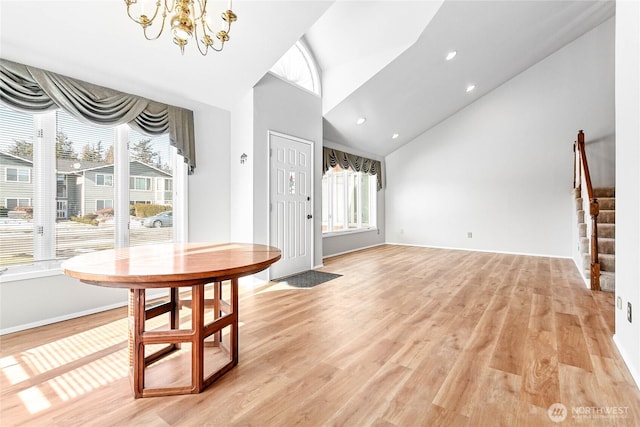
{"points": [[332, 158], [32, 90]]}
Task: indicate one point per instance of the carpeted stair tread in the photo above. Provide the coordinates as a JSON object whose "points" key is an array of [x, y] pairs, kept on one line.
{"points": [[606, 231], [607, 261], [607, 203], [605, 245], [606, 235], [606, 217], [604, 192], [607, 281]]}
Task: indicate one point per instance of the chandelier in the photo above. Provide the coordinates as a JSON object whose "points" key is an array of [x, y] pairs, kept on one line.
{"points": [[187, 18]]}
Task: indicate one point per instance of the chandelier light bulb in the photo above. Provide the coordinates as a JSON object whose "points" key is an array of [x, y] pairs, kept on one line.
{"points": [[187, 20]]}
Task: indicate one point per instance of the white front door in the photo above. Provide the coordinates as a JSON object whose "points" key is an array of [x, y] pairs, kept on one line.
{"points": [[291, 221]]}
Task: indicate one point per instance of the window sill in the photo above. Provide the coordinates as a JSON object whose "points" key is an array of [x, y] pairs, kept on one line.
{"points": [[30, 271], [347, 232]]}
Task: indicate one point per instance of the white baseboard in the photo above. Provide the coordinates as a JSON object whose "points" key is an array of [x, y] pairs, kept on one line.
{"points": [[478, 250], [352, 250], [57, 319], [627, 360]]}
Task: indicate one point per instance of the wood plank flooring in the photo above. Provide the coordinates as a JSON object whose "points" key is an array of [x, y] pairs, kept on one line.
{"points": [[406, 337]]}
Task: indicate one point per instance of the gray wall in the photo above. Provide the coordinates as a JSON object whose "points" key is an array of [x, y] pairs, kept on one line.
{"points": [[281, 107], [502, 167]]}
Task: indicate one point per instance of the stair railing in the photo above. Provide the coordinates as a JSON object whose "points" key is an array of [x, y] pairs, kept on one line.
{"points": [[581, 173]]}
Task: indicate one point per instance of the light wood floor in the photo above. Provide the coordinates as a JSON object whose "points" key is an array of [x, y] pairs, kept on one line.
{"points": [[407, 337]]}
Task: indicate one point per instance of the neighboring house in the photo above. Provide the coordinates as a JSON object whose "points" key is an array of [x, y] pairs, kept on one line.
{"points": [[82, 187], [16, 181]]}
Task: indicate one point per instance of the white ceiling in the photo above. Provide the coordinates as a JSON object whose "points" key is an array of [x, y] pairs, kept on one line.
{"points": [[495, 40], [95, 40], [381, 59]]}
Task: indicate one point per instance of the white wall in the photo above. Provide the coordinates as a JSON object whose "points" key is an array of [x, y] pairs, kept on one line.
{"points": [[502, 167], [343, 243], [627, 335], [241, 226], [279, 106], [209, 186]]}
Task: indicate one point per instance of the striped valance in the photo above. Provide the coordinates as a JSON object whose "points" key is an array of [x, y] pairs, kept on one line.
{"points": [[332, 158], [32, 90]]}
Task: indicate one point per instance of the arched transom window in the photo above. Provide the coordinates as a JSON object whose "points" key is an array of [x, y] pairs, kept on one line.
{"points": [[297, 66]]}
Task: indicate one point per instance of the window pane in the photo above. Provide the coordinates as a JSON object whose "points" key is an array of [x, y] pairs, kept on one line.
{"points": [[150, 189], [16, 188], [325, 202], [365, 180], [338, 213], [352, 192], [350, 196], [84, 159]]}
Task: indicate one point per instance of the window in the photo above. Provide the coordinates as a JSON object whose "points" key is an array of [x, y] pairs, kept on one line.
{"points": [[104, 180], [348, 201], [298, 67], [103, 204], [18, 175], [61, 187], [14, 203], [80, 160], [139, 183]]}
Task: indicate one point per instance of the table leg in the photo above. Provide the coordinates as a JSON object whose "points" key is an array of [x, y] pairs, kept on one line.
{"points": [[234, 326], [197, 345], [138, 346]]}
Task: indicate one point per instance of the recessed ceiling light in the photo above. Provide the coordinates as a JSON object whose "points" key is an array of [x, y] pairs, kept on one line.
{"points": [[395, 136], [470, 88], [451, 55], [361, 120]]}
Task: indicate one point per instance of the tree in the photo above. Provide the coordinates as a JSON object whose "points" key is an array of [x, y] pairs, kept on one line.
{"points": [[22, 148], [92, 152], [143, 152], [108, 156], [64, 147]]}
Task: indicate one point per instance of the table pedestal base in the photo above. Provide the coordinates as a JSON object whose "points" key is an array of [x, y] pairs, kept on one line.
{"points": [[210, 335]]}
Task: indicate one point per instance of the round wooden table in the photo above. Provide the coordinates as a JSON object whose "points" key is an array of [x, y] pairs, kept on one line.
{"points": [[173, 266]]}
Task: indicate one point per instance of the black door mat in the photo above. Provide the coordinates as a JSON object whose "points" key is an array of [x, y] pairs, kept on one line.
{"points": [[308, 279]]}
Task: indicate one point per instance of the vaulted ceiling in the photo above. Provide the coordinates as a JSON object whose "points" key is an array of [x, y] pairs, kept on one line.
{"points": [[383, 60]]}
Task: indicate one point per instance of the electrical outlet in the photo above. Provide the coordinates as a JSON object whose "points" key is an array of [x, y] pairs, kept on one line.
{"points": [[619, 303], [629, 312], [469, 234]]}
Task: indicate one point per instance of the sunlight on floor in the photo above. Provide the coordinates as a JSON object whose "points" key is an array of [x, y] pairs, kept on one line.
{"points": [[68, 367]]}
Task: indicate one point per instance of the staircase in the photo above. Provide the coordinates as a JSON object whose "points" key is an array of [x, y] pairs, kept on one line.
{"points": [[606, 236]]}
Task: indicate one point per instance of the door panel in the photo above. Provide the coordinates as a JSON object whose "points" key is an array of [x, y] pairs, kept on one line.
{"points": [[290, 198]]}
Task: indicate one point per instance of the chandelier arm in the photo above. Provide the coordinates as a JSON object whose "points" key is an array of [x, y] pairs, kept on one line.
{"points": [[138, 20], [185, 17], [202, 5]]}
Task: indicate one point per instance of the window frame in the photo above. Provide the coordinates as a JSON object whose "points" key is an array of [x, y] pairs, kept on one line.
{"points": [[134, 179], [347, 176], [17, 199], [43, 263], [104, 204], [18, 170], [104, 179]]}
